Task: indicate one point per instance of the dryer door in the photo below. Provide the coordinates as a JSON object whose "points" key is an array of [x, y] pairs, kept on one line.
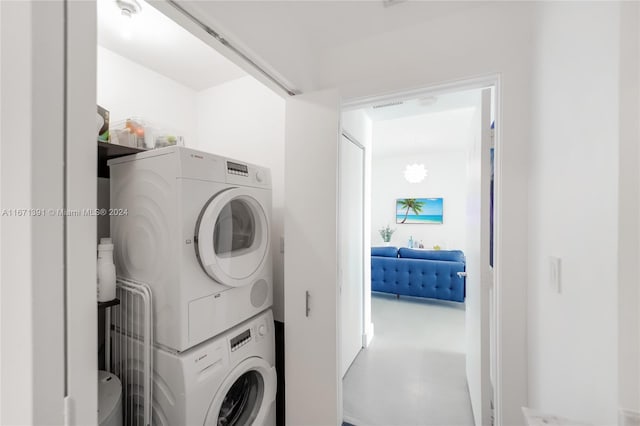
{"points": [[245, 396], [232, 236]]}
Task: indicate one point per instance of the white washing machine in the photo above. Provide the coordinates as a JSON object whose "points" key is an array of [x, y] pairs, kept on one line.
{"points": [[229, 380], [196, 228]]}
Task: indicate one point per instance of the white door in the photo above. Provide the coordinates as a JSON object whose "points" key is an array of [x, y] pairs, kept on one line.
{"points": [[232, 236], [478, 281], [312, 345], [350, 227]]}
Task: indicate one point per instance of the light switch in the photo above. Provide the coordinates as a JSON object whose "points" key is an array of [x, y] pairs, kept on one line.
{"points": [[555, 274]]}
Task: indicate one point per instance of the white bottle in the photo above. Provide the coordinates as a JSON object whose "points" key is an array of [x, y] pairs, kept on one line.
{"points": [[106, 271]]}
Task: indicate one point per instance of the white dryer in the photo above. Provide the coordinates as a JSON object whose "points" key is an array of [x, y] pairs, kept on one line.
{"points": [[229, 380], [196, 228]]}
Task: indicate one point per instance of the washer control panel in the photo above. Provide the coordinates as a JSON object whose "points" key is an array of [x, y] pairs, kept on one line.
{"points": [[240, 340], [237, 169], [238, 173]]}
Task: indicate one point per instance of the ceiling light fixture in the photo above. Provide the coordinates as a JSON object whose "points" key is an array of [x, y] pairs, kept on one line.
{"points": [[128, 8], [415, 173]]}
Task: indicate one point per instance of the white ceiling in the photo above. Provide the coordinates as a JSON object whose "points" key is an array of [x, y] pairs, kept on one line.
{"points": [[420, 134], [424, 125], [160, 44], [292, 37], [321, 24]]}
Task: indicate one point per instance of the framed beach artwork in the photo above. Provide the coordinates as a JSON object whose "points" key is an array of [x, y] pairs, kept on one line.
{"points": [[419, 210]]}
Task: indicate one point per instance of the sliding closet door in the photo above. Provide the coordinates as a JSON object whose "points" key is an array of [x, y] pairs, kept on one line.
{"points": [[81, 188], [312, 367], [31, 189]]}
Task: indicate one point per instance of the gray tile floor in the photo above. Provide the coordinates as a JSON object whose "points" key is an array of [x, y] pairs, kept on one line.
{"points": [[413, 373]]}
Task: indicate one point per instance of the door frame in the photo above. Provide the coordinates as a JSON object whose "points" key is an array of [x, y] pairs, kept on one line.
{"points": [[491, 80], [49, 320], [351, 139]]}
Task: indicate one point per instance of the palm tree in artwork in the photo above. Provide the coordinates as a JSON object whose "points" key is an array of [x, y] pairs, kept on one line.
{"points": [[410, 204]]}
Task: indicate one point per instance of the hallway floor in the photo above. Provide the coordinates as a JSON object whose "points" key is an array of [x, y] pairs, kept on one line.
{"points": [[413, 373]]}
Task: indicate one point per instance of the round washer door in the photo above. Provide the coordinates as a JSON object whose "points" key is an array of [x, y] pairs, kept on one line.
{"points": [[232, 236], [245, 395]]}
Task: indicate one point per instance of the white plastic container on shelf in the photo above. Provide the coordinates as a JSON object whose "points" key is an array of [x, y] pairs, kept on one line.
{"points": [[106, 271], [139, 133]]}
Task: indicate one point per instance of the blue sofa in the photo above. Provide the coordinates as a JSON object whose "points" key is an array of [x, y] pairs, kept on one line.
{"points": [[420, 273]]}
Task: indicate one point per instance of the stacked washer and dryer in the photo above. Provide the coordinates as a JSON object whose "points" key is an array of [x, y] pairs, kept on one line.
{"points": [[197, 230]]}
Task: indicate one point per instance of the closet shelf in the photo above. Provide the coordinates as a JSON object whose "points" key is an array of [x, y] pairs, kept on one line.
{"points": [[107, 151], [109, 303]]}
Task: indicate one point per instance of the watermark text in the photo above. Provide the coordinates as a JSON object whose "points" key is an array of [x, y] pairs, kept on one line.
{"points": [[61, 212]]}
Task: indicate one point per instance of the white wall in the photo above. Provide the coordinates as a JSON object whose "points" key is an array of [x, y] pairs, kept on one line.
{"points": [[446, 178], [128, 89], [573, 200], [243, 119], [358, 124], [439, 141]]}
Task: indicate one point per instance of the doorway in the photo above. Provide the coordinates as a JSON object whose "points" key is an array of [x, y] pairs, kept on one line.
{"points": [[205, 104], [445, 136]]}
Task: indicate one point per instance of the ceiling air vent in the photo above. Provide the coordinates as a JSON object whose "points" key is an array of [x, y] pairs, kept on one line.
{"points": [[388, 104]]}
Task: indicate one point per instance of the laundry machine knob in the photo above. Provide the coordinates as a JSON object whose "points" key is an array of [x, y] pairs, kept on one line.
{"points": [[262, 330], [259, 176]]}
